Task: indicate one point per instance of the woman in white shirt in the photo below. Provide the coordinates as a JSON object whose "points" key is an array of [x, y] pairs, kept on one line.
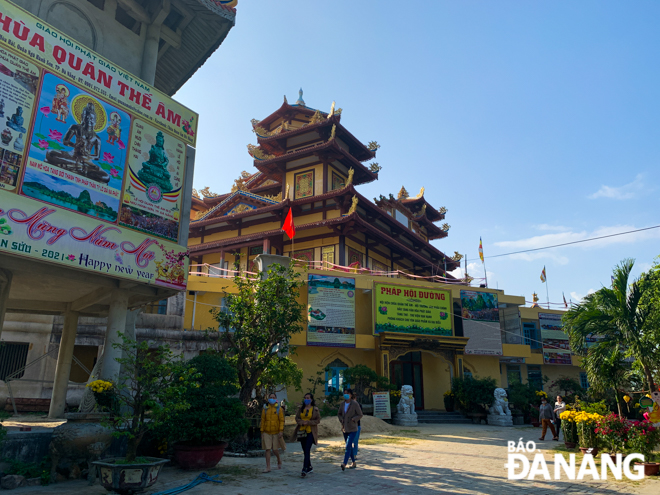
{"points": [[560, 407]]}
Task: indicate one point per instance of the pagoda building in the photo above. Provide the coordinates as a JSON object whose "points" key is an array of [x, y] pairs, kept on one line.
{"points": [[306, 161]]}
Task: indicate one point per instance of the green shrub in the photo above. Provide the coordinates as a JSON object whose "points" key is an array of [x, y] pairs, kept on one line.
{"points": [[214, 414], [473, 395], [523, 397]]}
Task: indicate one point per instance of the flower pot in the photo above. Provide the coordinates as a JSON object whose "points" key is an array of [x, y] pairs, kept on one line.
{"points": [[650, 468], [592, 450], [570, 445], [199, 457], [127, 479]]}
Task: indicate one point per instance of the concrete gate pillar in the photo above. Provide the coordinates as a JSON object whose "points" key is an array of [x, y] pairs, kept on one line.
{"points": [[63, 367], [5, 285], [116, 325]]}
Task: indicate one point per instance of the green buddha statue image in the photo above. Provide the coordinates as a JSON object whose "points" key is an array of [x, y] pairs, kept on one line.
{"points": [[16, 120], [154, 172], [86, 148]]}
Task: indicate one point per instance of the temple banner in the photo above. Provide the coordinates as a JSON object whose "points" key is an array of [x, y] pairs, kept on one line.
{"points": [[481, 323], [51, 49], [87, 147], [413, 310], [38, 232], [556, 348], [331, 311]]}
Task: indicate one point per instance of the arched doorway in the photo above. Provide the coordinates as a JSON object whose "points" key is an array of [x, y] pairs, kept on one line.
{"points": [[407, 370]]}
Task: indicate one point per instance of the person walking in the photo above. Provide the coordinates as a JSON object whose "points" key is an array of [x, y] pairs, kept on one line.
{"points": [[357, 435], [560, 407], [307, 430], [547, 415], [349, 414], [272, 430]]}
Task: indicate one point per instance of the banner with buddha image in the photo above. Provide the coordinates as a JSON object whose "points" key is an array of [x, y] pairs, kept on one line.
{"points": [[92, 159]]}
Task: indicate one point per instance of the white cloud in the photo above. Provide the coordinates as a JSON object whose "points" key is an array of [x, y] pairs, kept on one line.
{"points": [[541, 241], [575, 297], [627, 191], [553, 228]]}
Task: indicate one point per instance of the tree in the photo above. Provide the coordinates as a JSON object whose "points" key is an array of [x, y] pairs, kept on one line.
{"points": [[618, 317], [256, 326], [364, 380], [214, 414], [606, 369], [150, 391]]}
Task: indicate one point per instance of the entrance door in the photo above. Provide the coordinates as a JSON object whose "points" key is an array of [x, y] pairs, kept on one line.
{"points": [[407, 370]]}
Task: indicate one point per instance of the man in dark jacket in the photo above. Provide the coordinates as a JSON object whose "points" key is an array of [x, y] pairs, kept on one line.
{"points": [[547, 415]]}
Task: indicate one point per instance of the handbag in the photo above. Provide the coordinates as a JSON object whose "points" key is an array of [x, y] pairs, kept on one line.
{"points": [[301, 435]]}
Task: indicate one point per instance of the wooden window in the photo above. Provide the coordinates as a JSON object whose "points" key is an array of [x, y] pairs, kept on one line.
{"points": [[337, 181]]}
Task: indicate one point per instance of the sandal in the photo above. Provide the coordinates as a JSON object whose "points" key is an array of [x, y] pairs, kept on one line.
{"points": [[266, 471], [352, 466], [343, 467]]}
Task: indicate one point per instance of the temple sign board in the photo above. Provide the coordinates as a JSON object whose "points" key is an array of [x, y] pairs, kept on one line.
{"points": [[92, 159], [412, 310]]}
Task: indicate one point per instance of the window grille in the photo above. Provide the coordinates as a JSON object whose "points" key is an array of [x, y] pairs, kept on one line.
{"points": [[13, 357]]}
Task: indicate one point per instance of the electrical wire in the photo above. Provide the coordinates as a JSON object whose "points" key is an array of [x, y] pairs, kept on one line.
{"points": [[451, 313], [568, 243]]}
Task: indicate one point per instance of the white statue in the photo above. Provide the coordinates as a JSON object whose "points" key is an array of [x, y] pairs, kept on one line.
{"points": [[501, 405], [407, 403]]}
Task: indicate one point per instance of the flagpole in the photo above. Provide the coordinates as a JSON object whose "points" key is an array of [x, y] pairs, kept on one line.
{"points": [[547, 292], [485, 275]]}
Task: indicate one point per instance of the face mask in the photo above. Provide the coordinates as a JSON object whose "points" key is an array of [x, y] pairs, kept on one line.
{"points": [[272, 401], [308, 402], [346, 396]]}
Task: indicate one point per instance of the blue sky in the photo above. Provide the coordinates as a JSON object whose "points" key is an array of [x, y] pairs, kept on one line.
{"points": [[534, 123]]}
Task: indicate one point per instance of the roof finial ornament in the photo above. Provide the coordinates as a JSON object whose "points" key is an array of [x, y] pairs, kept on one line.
{"points": [[300, 100], [286, 192], [354, 203], [350, 176], [403, 194], [285, 101], [332, 110], [421, 194]]}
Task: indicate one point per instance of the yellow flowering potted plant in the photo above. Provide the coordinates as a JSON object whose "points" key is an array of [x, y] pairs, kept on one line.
{"points": [[569, 428], [105, 395], [586, 427]]}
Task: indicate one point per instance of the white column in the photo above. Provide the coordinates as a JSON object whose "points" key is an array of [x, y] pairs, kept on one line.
{"points": [[5, 285], [116, 325], [63, 368], [150, 53]]}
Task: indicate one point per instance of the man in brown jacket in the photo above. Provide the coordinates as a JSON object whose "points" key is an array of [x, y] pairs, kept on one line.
{"points": [[349, 414]]}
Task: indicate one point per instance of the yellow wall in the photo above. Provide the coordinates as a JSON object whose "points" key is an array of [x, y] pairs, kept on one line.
{"points": [[318, 179], [483, 366]]}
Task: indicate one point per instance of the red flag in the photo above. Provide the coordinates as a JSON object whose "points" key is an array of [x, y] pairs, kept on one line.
{"points": [[289, 226]]}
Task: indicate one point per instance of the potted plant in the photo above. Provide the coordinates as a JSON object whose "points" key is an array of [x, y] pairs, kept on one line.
{"points": [[586, 426], [612, 430], [201, 431], [569, 428], [150, 391], [643, 438]]}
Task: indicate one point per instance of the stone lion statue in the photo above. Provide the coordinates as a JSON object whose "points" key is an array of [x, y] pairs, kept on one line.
{"points": [[407, 403], [500, 405]]}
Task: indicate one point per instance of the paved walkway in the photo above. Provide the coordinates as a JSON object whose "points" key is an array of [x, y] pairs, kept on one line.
{"points": [[438, 459]]}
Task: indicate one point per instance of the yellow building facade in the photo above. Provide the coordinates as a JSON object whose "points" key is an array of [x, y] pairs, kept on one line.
{"points": [[428, 363]]}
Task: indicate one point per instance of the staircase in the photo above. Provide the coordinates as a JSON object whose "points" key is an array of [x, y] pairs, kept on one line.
{"points": [[439, 417]]}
